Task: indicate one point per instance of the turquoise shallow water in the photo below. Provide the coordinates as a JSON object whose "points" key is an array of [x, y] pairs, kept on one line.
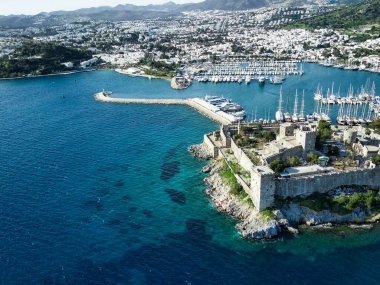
{"points": [[92, 193]]}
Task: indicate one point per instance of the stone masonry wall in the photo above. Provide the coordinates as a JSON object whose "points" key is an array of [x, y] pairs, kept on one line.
{"points": [[295, 151], [291, 187], [241, 157], [213, 149]]}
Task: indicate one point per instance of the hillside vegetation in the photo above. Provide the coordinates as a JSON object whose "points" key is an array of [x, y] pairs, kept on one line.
{"points": [[34, 58], [359, 19]]}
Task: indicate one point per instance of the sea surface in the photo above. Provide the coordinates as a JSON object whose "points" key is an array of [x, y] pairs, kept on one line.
{"points": [[94, 193]]}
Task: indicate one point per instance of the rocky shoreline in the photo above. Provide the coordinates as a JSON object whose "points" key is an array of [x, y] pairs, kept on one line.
{"points": [[254, 225], [250, 224]]}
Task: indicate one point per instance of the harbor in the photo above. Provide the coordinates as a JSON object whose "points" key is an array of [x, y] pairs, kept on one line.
{"points": [[296, 100], [211, 107], [245, 71]]}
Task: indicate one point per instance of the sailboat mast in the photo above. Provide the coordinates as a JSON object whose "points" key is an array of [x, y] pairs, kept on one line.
{"points": [[302, 104], [295, 104]]}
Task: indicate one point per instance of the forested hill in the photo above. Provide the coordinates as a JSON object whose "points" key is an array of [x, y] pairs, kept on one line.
{"points": [[35, 58], [348, 17]]}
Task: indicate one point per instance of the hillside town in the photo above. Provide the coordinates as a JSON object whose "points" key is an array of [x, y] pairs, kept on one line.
{"points": [[206, 36]]}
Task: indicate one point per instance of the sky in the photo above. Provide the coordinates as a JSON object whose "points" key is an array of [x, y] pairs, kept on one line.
{"points": [[31, 7]]}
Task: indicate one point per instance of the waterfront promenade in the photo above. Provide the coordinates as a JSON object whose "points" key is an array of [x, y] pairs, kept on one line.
{"points": [[101, 97]]}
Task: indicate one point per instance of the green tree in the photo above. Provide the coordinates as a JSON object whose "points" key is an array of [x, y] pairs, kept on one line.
{"points": [[293, 161], [324, 132], [277, 166], [375, 125], [376, 159], [312, 157]]}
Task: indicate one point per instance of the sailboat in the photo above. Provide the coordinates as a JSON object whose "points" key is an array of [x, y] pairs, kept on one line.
{"points": [[301, 71], [301, 116], [340, 119], [279, 114], [295, 116], [287, 116]]}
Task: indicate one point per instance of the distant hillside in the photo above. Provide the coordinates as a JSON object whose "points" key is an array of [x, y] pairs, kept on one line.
{"points": [[34, 58], [226, 5], [132, 12], [348, 17]]}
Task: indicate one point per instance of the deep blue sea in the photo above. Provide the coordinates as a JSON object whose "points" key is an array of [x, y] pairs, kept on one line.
{"points": [[94, 193]]}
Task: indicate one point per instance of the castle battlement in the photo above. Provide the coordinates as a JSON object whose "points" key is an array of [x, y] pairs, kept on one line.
{"points": [[292, 140]]}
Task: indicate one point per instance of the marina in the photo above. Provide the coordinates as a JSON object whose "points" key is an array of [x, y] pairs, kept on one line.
{"points": [[354, 108], [246, 71], [219, 109], [358, 111], [299, 102]]}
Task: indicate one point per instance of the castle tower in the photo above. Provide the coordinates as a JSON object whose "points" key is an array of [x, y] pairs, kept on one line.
{"points": [[262, 187], [286, 130], [307, 138]]}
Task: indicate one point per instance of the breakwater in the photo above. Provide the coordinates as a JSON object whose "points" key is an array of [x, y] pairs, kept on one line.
{"points": [[101, 97]]}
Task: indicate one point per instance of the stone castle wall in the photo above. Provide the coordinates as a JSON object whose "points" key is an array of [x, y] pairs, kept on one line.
{"points": [[241, 157], [295, 151], [322, 183], [263, 186], [213, 149]]}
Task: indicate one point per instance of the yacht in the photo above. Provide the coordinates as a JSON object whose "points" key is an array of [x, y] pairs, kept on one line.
{"points": [[276, 80]]}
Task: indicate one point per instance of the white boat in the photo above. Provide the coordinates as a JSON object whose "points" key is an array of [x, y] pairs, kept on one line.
{"points": [[106, 93], [301, 116], [279, 114], [318, 94], [295, 115], [276, 80]]}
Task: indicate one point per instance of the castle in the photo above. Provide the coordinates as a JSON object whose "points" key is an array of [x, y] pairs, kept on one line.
{"points": [[295, 140]]}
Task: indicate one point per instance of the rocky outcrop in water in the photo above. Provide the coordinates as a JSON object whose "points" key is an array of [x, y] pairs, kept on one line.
{"points": [[251, 225], [297, 214], [200, 151]]}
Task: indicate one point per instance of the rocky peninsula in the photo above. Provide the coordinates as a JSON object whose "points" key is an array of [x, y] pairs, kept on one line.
{"points": [[286, 217]]}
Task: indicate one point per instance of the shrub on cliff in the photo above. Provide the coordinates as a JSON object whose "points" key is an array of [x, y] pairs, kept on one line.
{"points": [[376, 159], [312, 157], [277, 166], [229, 178], [369, 200], [324, 133], [266, 136], [375, 125], [293, 161], [268, 215]]}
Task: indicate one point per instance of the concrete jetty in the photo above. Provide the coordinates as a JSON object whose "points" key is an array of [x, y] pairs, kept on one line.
{"points": [[101, 97]]}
